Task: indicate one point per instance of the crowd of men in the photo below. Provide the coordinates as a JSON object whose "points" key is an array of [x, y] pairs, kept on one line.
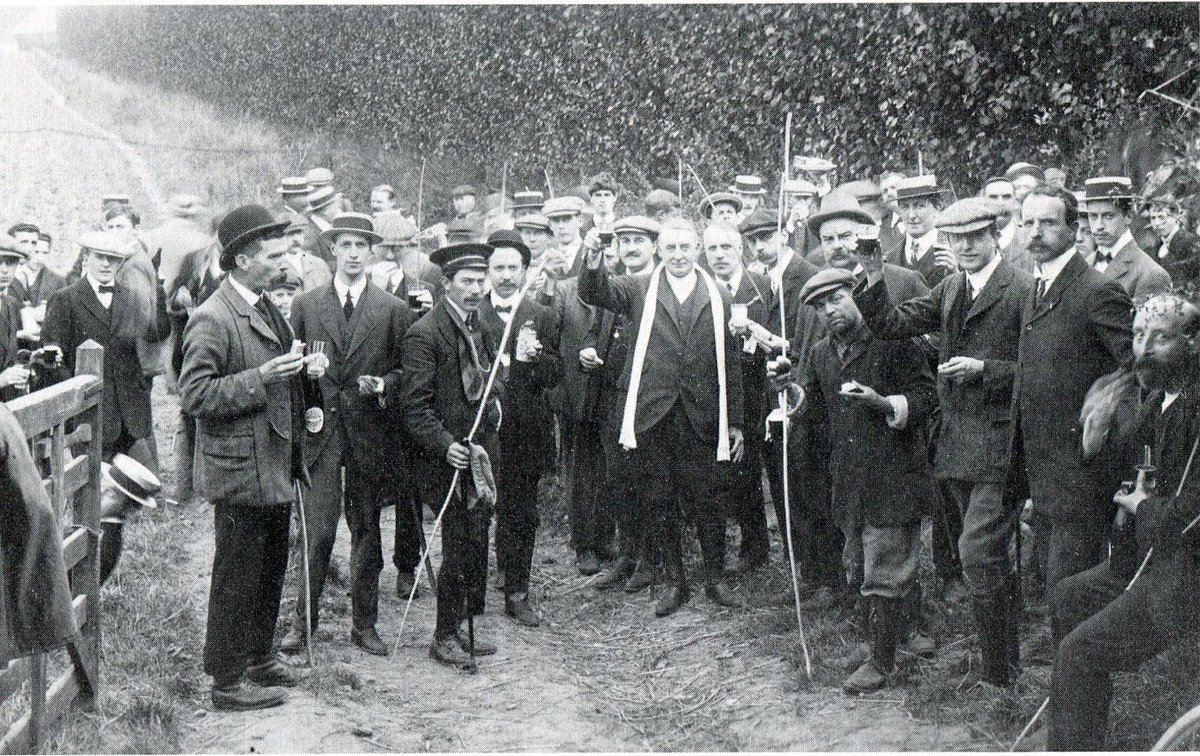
{"points": [[874, 356]]}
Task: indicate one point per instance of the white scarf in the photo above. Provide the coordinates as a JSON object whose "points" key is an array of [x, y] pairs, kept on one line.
{"points": [[628, 437]]}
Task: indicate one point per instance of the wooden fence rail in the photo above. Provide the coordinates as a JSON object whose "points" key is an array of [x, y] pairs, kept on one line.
{"points": [[64, 426]]}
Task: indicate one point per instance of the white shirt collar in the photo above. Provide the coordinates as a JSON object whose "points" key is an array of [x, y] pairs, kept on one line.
{"points": [[499, 301], [250, 297], [96, 284], [1049, 271], [355, 291], [735, 281], [980, 278], [571, 251], [1122, 240], [1168, 400], [924, 243], [454, 305], [1007, 234], [683, 286]]}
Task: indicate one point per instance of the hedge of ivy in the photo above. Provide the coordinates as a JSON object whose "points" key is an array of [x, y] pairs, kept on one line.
{"points": [[630, 88]]}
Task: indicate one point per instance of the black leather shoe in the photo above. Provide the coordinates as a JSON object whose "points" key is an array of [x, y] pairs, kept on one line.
{"points": [[722, 596], [641, 579], [404, 585], [294, 642], [587, 563], [276, 674], [447, 651], [670, 602], [616, 575], [482, 647], [246, 696], [748, 565], [519, 610], [368, 640]]}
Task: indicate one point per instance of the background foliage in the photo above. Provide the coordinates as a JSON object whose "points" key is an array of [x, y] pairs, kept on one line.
{"points": [[578, 89]]}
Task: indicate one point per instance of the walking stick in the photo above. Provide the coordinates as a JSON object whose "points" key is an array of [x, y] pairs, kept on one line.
{"points": [[420, 194], [503, 186], [307, 587], [549, 186], [437, 523], [1187, 469], [787, 503], [414, 502]]}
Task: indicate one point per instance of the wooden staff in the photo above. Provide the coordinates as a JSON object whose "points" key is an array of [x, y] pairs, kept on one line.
{"points": [[420, 193], [549, 186], [304, 561], [437, 523], [783, 404], [699, 183], [503, 186], [679, 159]]}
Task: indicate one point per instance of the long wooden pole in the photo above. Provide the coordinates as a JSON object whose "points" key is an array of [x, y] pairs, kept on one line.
{"points": [[437, 523], [787, 503], [420, 194]]}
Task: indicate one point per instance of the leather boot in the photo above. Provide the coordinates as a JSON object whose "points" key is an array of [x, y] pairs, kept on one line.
{"points": [[677, 592], [642, 577], [615, 575], [1013, 626], [991, 626], [886, 625]]}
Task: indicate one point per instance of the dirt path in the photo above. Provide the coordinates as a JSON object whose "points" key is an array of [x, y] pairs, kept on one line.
{"points": [[601, 674]]}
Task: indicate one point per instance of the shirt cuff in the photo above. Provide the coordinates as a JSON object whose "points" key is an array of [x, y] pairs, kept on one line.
{"points": [[898, 417]]}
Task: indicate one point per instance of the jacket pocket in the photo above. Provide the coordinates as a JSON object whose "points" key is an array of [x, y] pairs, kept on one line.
{"points": [[229, 470]]}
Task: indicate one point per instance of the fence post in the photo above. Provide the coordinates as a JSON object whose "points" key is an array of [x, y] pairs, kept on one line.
{"points": [[89, 360]]}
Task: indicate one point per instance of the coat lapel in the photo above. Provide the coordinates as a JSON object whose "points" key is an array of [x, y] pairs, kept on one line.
{"points": [[700, 298], [366, 317], [248, 311], [1122, 262], [331, 316], [1072, 271], [667, 301], [92, 302], [993, 290]]}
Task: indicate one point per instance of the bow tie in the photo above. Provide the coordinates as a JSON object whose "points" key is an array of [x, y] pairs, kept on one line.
{"points": [[503, 309], [107, 289], [1103, 257]]}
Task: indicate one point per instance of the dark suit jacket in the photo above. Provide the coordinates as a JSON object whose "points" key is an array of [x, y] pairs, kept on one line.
{"points": [[1081, 330], [754, 364], [795, 275], [370, 344], [437, 412], [880, 475], [1139, 275], [243, 425], [680, 364], [74, 315], [46, 283], [527, 429], [1182, 261], [926, 266], [574, 319], [975, 430]]}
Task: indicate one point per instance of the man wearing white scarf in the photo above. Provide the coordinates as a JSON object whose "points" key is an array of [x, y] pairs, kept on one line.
{"points": [[683, 411]]}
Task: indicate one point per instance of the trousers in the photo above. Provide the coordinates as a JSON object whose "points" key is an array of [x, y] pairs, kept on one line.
{"points": [[591, 517], [516, 518], [249, 563]]}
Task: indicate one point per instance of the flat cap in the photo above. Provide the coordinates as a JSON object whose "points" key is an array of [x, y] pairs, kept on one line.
{"points": [[916, 187], [602, 182], [533, 220], [636, 224], [1024, 169], [465, 229], [23, 228], [826, 282], [528, 200], [1107, 188], [509, 240], [293, 185], [558, 206], [800, 187], [758, 222], [863, 190], [707, 204], [810, 164], [9, 248], [318, 177], [456, 257], [970, 214], [395, 228], [110, 243], [659, 200], [462, 190]]}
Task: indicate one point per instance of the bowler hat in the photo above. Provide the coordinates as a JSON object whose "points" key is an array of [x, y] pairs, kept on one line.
{"points": [[511, 240], [109, 243], [1107, 188], [456, 257], [917, 187], [838, 204], [354, 223], [747, 184], [825, 282], [636, 224], [318, 177], [241, 226], [709, 202], [291, 280], [533, 220], [667, 185], [969, 214], [293, 185]]}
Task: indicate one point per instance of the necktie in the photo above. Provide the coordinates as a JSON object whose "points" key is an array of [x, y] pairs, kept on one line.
{"points": [[1041, 292], [107, 289], [970, 290], [348, 307], [472, 321], [269, 313]]}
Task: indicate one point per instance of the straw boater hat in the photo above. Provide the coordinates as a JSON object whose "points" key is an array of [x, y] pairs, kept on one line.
{"points": [[917, 187], [356, 223], [318, 177], [747, 184], [528, 202], [1107, 189], [321, 197], [800, 188], [134, 481], [293, 185]]}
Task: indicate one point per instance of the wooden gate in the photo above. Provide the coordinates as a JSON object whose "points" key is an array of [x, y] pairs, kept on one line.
{"points": [[74, 489]]}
